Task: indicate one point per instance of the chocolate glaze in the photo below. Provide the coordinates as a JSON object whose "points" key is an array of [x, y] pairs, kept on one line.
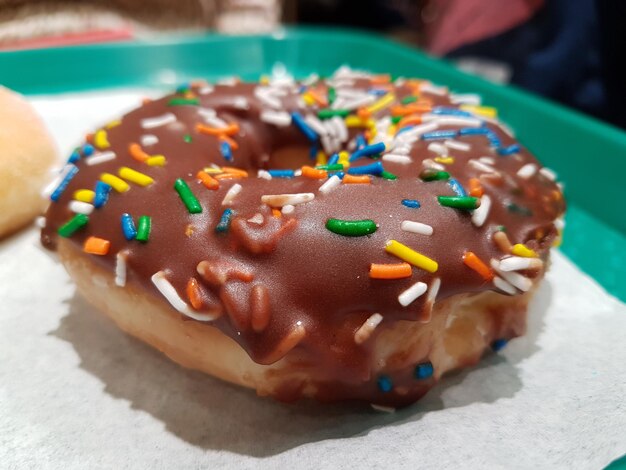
{"points": [[291, 274]]}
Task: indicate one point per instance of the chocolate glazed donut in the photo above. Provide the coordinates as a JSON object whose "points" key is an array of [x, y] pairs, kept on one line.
{"points": [[348, 238]]}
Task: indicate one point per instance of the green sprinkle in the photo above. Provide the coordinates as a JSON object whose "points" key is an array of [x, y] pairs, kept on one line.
{"points": [[396, 119], [73, 225], [335, 167], [434, 175], [190, 201], [329, 113], [332, 95], [143, 228], [409, 99], [467, 203], [183, 102], [500, 228], [512, 207], [351, 228], [187, 138], [388, 176]]}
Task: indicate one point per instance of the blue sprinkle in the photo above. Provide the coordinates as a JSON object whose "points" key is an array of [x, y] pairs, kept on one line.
{"points": [[457, 188], [445, 111], [56, 194], [338, 174], [128, 227], [334, 158], [404, 129], [182, 88], [282, 173], [227, 153], [88, 150], [493, 138], [224, 222], [474, 131], [498, 344], [437, 135], [298, 120], [423, 370], [411, 203], [511, 149], [377, 91], [302, 89], [368, 150], [375, 169], [313, 151], [384, 383], [360, 142], [74, 157], [102, 194]]}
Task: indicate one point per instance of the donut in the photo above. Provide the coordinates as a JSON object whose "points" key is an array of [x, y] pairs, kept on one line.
{"points": [[27, 153], [348, 238]]}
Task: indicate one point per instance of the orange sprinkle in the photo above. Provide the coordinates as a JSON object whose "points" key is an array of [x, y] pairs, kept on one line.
{"points": [[146, 100], [364, 113], [412, 108], [89, 137], [351, 179], [319, 99], [390, 271], [368, 135], [475, 188], [474, 262], [381, 79], [189, 95], [194, 293], [233, 145], [137, 152], [207, 180], [277, 213], [231, 129], [227, 176], [310, 172], [235, 171], [410, 120], [96, 246]]}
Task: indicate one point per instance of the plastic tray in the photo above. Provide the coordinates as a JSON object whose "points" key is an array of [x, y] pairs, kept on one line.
{"points": [[587, 154]]}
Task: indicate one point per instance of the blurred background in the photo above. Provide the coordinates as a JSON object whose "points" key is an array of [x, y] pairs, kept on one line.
{"points": [[567, 50]]}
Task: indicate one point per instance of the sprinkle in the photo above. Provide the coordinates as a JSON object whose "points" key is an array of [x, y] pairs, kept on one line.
{"points": [[63, 181], [137, 153], [230, 195], [288, 209], [438, 148], [281, 173], [73, 225], [351, 228], [349, 179], [230, 129], [101, 195], [402, 159], [411, 203], [143, 228], [238, 172], [499, 344], [481, 166], [368, 151], [148, 139], [388, 176], [367, 328], [379, 105], [280, 200], [457, 145], [84, 195], [224, 222], [278, 118], [135, 176], [156, 160], [512, 207], [101, 140], [408, 99], [476, 189], [187, 196], [412, 293], [330, 113], [335, 167], [390, 271], [428, 163], [475, 263], [424, 370], [332, 183], [522, 250], [299, 122], [257, 219], [433, 175], [416, 227], [266, 96], [100, 158], [169, 292], [314, 173], [486, 111], [128, 226], [183, 102], [88, 150], [512, 277], [441, 134], [375, 169], [149, 123], [479, 216], [384, 383], [457, 188], [74, 157], [502, 241], [120, 268], [510, 150], [226, 151], [504, 286], [465, 203], [80, 207], [518, 263], [96, 246], [116, 183], [411, 256], [467, 98], [434, 290], [548, 173]]}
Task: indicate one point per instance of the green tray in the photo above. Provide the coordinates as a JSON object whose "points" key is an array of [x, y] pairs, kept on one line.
{"points": [[587, 154]]}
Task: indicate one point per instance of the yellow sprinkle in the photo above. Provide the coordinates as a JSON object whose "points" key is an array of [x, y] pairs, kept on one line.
{"points": [[308, 99], [265, 80], [101, 140], [411, 256], [113, 124], [212, 171], [445, 160], [156, 160], [344, 159], [84, 195], [134, 176], [116, 183], [522, 250], [486, 111], [321, 158], [392, 130], [381, 103], [356, 121]]}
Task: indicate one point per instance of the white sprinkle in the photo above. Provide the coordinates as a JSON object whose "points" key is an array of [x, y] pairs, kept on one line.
{"points": [[481, 166], [527, 171], [487, 160], [514, 278], [330, 184], [559, 223], [417, 131], [267, 97], [482, 212], [383, 409], [98, 158], [452, 120], [503, 285], [214, 121], [288, 209], [278, 118], [207, 112], [327, 143], [548, 173], [416, 227], [297, 172], [438, 148], [148, 139], [40, 221], [394, 158], [264, 174], [231, 194], [457, 145], [168, 291], [281, 200], [80, 207], [401, 149], [428, 163], [433, 89], [206, 89], [434, 290], [157, 121], [315, 124], [120, 268], [466, 98], [412, 293], [518, 263], [367, 328], [356, 102], [256, 219], [342, 129], [311, 79], [241, 103], [48, 190]]}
